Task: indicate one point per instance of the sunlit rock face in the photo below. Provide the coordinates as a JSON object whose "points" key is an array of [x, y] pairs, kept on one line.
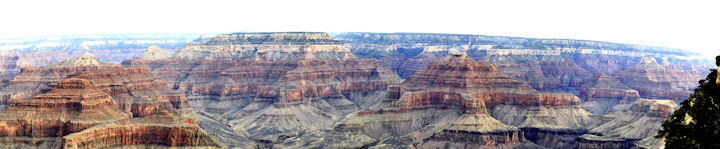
{"points": [[160, 130], [653, 80], [558, 65], [640, 121], [271, 85], [604, 94], [134, 89], [73, 105]]}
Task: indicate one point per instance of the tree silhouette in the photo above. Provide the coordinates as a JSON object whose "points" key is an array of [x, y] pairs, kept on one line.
{"points": [[697, 123]]}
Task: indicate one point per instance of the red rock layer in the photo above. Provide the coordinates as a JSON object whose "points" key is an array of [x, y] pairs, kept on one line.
{"points": [[653, 80], [133, 88], [136, 90], [162, 128], [74, 104], [243, 66]]}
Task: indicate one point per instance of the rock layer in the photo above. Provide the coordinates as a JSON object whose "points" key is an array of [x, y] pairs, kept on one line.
{"points": [[545, 64], [605, 94], [133, 88], [653, 80], [162, 128], [271, 85], [74, 105], [641, 120]]}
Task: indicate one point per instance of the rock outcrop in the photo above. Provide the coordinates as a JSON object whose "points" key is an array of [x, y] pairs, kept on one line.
{"points": [[32, 80], [604, 94], [73, 105], [271, 85], [162, 129], [640, 121], [133, 88], [653, 80]]}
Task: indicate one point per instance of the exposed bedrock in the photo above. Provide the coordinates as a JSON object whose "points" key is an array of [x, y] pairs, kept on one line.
{"points": [[272, 86], [134, 89], [162, 129], [640, 121], [604, 94], [556, 65], [653, 80], [73, 105]]}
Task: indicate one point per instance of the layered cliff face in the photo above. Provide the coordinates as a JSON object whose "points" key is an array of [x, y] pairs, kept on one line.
{"points": [[558, 65], [640, 121], [32, 80], [653, 80], [430, 109], [271, 85], [457, 101], [604, 94], [73, 105], [133, 88], [162, 129]]}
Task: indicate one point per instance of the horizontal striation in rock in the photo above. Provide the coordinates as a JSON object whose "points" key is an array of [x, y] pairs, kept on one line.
{"points": [[74, 104], [162, 128]]}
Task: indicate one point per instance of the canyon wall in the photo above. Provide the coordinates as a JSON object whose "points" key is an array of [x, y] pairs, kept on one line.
{"points": [[270, 85], [558, 65]]}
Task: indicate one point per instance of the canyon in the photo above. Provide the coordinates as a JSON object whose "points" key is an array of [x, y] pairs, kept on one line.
{"points": [[349, 90]]}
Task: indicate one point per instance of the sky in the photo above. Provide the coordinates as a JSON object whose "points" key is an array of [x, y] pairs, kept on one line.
{"points": [[687, 24]]}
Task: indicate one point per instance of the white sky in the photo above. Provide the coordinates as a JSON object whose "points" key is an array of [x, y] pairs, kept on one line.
{"points": [[692, 25]]}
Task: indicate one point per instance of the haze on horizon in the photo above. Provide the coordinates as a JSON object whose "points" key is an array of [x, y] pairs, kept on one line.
{"points": [[691, 25]]}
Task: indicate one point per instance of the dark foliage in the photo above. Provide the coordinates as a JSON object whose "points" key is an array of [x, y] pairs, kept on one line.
{"points": [[697, 123]]}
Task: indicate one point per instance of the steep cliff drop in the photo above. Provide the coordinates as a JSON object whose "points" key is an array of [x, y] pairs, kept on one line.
{"points": [[270, 85]]}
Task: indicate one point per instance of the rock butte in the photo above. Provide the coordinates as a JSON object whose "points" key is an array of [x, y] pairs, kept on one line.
{"points": [[133, 88], [74, 105], [271, 85]]}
